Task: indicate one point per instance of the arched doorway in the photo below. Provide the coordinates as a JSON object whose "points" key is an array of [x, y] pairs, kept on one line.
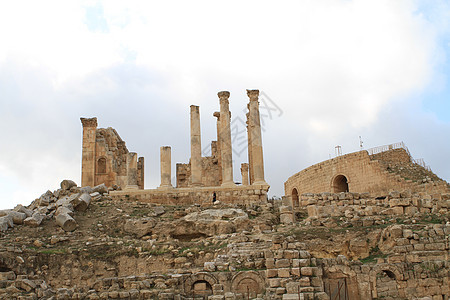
{"points": [[295, 202], [387, 285], [202, 288], [339, 184], [248, 283]]}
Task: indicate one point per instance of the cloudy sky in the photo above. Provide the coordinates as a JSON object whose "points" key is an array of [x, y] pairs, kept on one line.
{"points": [[329, 71]]}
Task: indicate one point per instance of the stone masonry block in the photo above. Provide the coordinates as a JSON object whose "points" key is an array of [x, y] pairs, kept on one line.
{"points": [[284, 272], [282, 263]]}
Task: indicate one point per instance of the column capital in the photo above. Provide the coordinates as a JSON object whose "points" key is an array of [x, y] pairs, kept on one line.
{"points": [[253, 94], [223, 95], [89, 122]]}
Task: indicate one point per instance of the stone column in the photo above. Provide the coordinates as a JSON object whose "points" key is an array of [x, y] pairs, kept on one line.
{"points": [[166, 167], [244, 173], [196, 147], [132, 175], [225, 139], [219, 153], [249, 146], [140, 169], [256, 140], [88, 151]]}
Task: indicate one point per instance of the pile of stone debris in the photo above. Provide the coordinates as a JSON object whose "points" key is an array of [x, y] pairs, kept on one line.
{"points": [[60, 204]]}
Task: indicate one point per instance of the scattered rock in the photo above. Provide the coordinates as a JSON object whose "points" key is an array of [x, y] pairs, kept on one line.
{"points": [[139, 227], [5, 223], [35, 220], [67, 184], [23, 209], [66, 222], [101, 189], [17, 217]]}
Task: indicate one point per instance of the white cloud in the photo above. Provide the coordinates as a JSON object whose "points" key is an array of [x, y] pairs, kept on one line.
{"points": [[336, 68]]}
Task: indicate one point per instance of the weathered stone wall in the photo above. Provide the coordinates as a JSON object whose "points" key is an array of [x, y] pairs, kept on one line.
{"points": [[210, 169], [197, 195], [363, 173], [396, 203], [393, 155]]}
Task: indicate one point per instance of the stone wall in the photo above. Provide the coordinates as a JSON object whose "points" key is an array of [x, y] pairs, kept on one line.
{"points": [[197, 195], [396, 203], [210, 168], [360, 172]]}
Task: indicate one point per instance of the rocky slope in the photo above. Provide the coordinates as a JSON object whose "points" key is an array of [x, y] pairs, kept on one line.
{"points": [[133, 250]]}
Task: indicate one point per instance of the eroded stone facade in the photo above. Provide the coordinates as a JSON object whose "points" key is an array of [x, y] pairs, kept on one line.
{"points": [[106, 159]]}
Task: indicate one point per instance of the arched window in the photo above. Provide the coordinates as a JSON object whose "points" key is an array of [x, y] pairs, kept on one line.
{"points": [[340, 184], [101, 165], [295, 202]]}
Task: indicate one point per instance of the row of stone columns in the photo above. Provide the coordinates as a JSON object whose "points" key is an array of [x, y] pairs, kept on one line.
{"points": [[255, 168]]}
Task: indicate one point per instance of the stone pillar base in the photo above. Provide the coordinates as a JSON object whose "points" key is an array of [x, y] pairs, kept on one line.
{"points": [[132, 187], [228, 184], [262, 182], [165, 187]]}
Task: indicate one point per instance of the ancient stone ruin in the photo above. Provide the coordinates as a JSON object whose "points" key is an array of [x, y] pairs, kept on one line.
{"points": [[373, 224], [207, 179], [376, 171], [106, 159]]}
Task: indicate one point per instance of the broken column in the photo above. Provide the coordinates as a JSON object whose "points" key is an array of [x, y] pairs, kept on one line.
{"points": [[244, 173], [132, 175], [257, 162], [166, 167], [88, 152], [196, 147], [225, 139]]}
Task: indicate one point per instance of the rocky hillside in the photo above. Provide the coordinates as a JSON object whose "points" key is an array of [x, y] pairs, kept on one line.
{"points": [[77, 243]]}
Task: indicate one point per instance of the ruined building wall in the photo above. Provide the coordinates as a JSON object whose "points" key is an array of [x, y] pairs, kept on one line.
{"points": [[106, 159], [210, 170], [360, 172]]}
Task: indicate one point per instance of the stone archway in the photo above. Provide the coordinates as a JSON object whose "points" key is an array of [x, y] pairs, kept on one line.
{"points": [[339, 184], [384, 281], [247, 283], [201, 288], [295, 200], [200, 284]]}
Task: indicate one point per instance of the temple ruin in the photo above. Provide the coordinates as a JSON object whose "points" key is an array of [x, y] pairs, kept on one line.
{"points": [[106, 159], [201, 180]]}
